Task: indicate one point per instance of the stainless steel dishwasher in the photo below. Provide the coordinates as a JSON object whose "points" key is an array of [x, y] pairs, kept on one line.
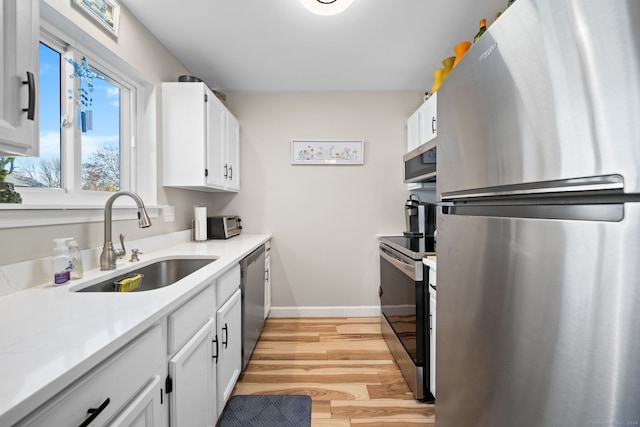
{"points": [[252, 286]]}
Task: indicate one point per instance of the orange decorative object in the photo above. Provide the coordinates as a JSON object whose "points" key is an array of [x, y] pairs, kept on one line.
{"points": [[460, 49], [438, 77]]}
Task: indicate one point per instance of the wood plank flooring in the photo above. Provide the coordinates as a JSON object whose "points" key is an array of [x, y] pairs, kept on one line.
{"points": [[343, 364]]}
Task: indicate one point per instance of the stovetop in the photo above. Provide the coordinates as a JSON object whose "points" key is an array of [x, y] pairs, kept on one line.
{"points": [[414, 247]]}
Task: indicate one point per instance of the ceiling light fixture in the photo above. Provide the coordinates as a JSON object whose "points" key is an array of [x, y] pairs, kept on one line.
{"points": [[326, 7]]}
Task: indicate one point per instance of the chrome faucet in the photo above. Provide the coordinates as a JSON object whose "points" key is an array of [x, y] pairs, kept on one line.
{"points": [[109, 254]]}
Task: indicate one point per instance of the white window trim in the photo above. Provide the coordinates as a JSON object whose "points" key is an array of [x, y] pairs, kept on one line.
{"points": [[57, 206]]}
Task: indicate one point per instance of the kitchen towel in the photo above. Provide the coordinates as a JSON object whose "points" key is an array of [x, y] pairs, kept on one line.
{"points": [[200, 223], [267, 411]]}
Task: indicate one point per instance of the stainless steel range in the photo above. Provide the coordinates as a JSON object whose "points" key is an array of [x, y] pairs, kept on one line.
{"points": [[404, 300]]}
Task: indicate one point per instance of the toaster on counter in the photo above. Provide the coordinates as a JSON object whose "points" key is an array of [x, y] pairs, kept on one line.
{"points": [[223, 227]]}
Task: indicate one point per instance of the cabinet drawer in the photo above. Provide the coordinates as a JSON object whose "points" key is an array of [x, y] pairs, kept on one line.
{"points": [[185, 321], [118, 380], [228, 283]]}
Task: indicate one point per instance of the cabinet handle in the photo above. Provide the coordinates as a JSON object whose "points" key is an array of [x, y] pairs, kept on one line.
{"points": [[430, 328], [433, 125], [225, 340], [215, 356], [266, 275], [230, 172], [225, 171], [31, 109], [94, 412]]}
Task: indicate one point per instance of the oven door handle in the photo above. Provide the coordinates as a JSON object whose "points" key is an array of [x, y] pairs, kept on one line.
{"points": [[408, 269]]}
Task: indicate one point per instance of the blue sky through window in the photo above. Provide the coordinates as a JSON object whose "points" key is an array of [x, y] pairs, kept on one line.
{"points": [[49, 103]]}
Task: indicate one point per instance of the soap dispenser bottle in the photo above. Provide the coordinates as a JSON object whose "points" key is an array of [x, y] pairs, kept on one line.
{"points": [[61, 264], [75, 258]]}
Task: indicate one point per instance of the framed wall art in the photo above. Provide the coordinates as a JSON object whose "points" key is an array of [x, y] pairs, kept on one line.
{"points": [[327, 152], [105, 12]]}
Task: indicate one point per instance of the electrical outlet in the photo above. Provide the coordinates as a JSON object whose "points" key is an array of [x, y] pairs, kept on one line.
{"points": [[169, 213]]}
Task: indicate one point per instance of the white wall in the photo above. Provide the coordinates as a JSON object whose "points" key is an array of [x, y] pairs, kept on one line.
{"points": [[324, 218]]}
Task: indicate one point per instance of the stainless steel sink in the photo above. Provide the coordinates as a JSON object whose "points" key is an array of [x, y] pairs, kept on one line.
{"points": [[156, 275]]}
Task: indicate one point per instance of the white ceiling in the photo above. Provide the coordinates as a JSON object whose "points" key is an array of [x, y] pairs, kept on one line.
{"points": [[278, 45]]}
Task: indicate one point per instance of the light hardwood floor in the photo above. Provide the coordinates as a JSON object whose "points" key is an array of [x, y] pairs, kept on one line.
{"points": [[343, 364]]}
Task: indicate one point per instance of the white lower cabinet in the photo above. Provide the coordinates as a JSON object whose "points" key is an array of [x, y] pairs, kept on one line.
{"points": [[179, 373], [432, 325], [267, 281], [229, 362], [432, 341], [191, 394], [145, 410], [204, 370], [107, 389]]}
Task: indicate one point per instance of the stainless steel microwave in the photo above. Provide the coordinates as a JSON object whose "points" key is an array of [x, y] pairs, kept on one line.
{"points": [[420, 164]]}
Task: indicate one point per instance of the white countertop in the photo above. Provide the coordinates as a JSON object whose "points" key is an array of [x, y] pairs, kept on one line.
{"points": [[50, 336]]}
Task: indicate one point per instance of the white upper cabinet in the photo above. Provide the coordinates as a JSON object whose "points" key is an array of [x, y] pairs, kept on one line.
{"points": [[233, 153], [19, 38], [422, 126], [200, 139]]}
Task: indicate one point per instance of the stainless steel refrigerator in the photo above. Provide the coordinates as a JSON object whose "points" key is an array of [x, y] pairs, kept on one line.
{"points": [[539, 227]]}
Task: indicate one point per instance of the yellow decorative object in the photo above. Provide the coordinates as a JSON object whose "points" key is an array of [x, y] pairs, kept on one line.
{"points": [[438, 77], [448, 66], [460, 49]]}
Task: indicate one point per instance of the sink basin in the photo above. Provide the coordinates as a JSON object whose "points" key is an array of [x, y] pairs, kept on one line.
{"points": [[156, 275]]}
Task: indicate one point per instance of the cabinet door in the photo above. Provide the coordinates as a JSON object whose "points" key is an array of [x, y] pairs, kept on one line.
{"points": [[413, 131], [184, 129], [229, 363], [192, 400], [144, 410], [267, 286], [428, 119], [233, 153], [432, 341], [19, 36], [218, 169]]}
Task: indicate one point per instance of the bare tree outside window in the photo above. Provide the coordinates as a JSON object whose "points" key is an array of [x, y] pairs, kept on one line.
{"points": [[102, 171]]}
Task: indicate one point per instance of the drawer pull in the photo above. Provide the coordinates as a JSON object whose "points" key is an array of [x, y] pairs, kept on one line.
{"points": [[94, 412], [225, 340], [215, 356]]}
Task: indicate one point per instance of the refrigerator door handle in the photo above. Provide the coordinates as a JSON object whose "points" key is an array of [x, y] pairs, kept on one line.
{"points": [[607, 212], [573, 185]]}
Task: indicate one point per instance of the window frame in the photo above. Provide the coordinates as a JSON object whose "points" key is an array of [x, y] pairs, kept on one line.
{"points": [[137, 160]]}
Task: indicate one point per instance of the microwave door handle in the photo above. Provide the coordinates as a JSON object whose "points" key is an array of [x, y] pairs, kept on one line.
{"points": [[408, 269]]}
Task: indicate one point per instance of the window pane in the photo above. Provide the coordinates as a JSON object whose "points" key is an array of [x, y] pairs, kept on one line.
{"points": [[44, 171], [100, 136]]}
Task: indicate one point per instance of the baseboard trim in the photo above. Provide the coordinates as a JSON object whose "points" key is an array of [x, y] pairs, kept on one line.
{"points": [[357, 311]]}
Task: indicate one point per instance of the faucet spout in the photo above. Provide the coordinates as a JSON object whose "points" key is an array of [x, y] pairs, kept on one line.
{"points": [[109, 254]]}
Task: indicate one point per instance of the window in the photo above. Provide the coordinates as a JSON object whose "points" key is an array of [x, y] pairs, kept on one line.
{"points": [[86, 127]]}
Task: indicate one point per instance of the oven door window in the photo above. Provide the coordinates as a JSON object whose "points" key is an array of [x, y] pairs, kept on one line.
{"points": [[398, 303]]}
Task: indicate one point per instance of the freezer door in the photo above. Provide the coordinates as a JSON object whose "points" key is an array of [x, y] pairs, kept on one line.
{"points": [[538, 321], [549, 92]]}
